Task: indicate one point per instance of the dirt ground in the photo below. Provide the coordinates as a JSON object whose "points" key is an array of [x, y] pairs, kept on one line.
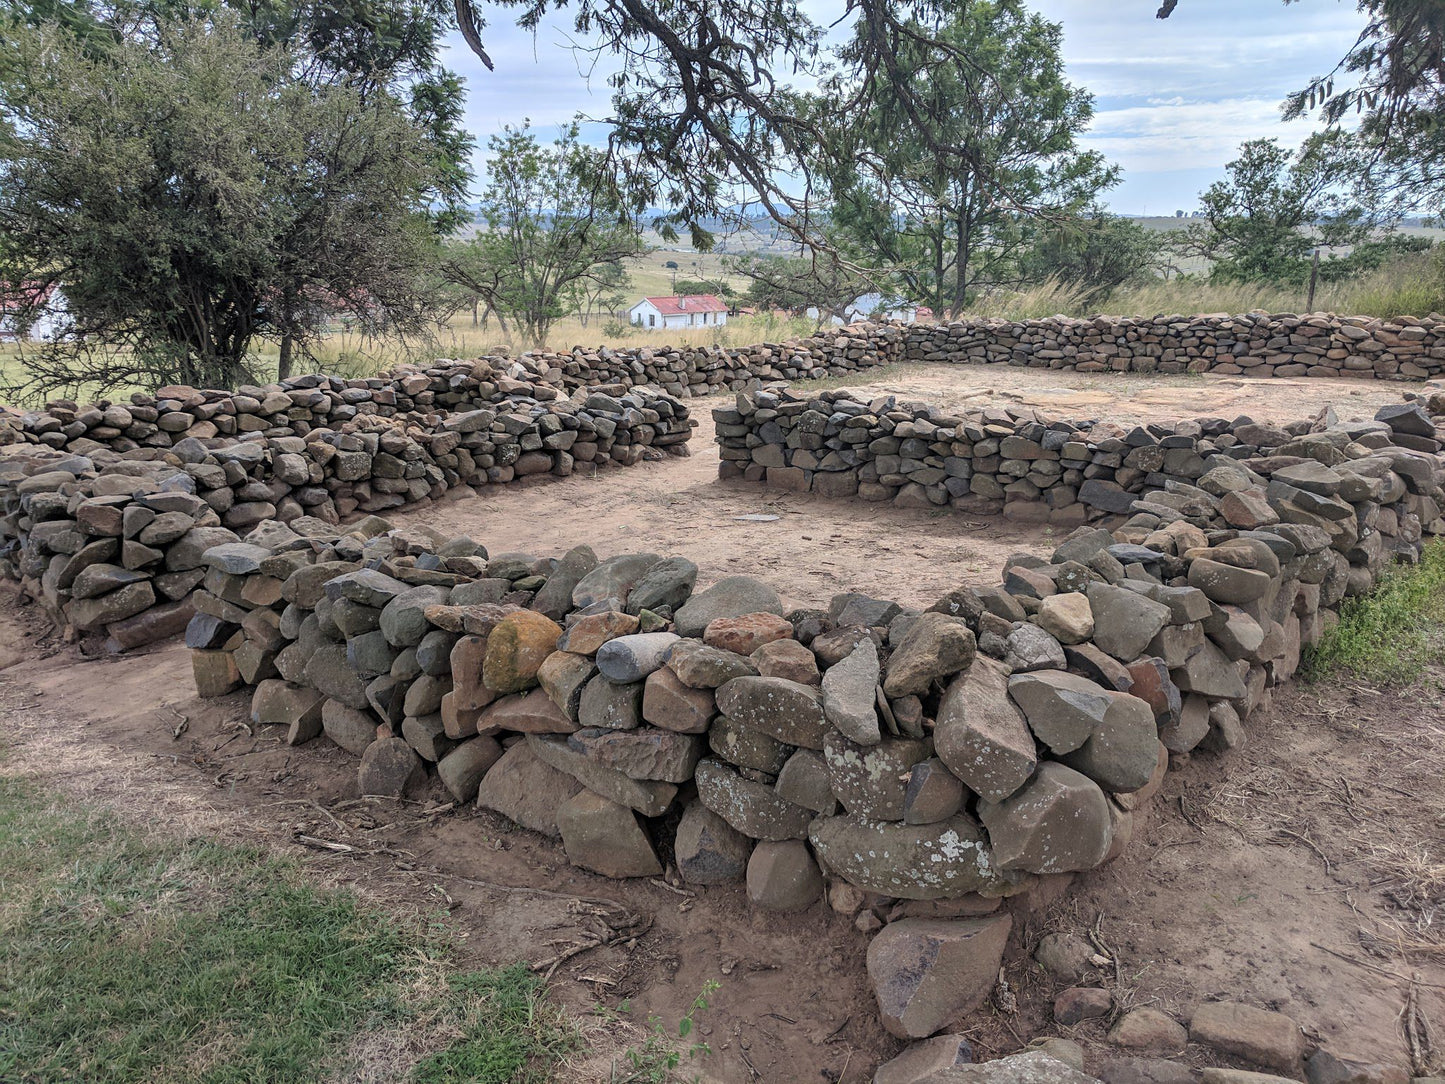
{"points": [[818, 546], [1137, 397], [1305, 872]]}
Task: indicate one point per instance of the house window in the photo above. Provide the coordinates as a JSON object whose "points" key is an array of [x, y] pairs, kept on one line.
{"points": [[651, 320]]}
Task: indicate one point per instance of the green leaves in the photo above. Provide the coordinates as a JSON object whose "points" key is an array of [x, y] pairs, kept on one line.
{"points": [[559, 224], [189, 189]]}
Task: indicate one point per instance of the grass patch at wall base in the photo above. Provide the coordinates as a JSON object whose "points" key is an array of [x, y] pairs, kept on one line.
{"points": [[128, 956], [1392, 634]]}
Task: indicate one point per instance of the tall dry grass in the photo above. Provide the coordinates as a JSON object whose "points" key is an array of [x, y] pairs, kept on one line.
{"points": [[1410, 286]]}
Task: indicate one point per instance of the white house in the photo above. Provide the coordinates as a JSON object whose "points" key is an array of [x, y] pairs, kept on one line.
{"points": [[875, 306], [694, 310], [50, 320]]}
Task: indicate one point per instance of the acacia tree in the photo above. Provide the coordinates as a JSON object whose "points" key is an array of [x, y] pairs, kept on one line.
{"points": [[1275, 205], [189, 196], [967, 146], [557, 224]]}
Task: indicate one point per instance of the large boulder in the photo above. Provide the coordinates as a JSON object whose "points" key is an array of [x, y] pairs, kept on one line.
{"points": [[649, 797], [1058, 822], [709, 850], [786, 710], [753, 808], [980, 734], [872, 780], [935, 647], [516, 649], [605, 837], [782, 876], [944, 860], [1063, 710], [1121, 753], [731, 596], [926, 973], [850, 694], [1124, 621], [523, 789]]}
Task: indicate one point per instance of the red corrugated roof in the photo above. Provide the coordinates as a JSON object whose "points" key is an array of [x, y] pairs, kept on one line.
{"points": [[690, 303]]}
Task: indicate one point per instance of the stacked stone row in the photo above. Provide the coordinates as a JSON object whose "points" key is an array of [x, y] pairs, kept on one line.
{"points": [[1019, 461], [109, 541], [1256, 344], [322, 452], [923, 769], [1253, 344], [686, 371]]}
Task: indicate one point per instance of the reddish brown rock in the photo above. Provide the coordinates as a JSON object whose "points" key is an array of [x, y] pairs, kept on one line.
{"points": [[744, 635]]}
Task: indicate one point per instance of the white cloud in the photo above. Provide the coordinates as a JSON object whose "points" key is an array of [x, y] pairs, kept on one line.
{"points": [[1174, 98]]}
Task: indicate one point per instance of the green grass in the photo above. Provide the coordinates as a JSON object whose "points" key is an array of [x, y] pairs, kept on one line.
{"points": [[129, 955], [1392, 634]]}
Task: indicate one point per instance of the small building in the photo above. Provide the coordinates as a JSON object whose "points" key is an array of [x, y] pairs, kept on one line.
{"points": [[31, 312], [692, 310], [876, 306]]}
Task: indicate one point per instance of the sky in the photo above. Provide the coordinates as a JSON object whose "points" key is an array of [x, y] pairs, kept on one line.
{"points": [[1173, 98]]}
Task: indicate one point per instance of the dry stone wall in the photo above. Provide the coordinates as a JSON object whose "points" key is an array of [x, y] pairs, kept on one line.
{"points": [[1254, 344], [106, 533], [1025, 463], [925, 769]]}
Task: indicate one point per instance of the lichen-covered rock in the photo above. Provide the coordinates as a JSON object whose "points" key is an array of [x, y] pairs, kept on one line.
{"points": [[753, 808], [785, 710], [913, 862], [516, 649], [872, 780]]}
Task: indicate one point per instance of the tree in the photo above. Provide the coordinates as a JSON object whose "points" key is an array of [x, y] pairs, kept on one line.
{"points": [[605, 291], [556, 220], [820, 281], [966, 148], [1262, 220], [372, 47], [690, 287], [1094, 255], [190, 197]]}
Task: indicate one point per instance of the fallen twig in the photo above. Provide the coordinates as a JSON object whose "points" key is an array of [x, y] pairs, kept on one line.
{"points": [[1329, 868]]}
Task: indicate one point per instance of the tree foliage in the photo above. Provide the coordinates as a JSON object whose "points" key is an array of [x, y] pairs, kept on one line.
{"points": [[1274, 206], [190, 196], [557, 225], [1093, 254], [966, 146], [372, 47]]}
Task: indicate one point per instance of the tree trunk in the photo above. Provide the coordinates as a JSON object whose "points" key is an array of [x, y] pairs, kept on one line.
{"points": [[283, 364], [476, 304]]}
